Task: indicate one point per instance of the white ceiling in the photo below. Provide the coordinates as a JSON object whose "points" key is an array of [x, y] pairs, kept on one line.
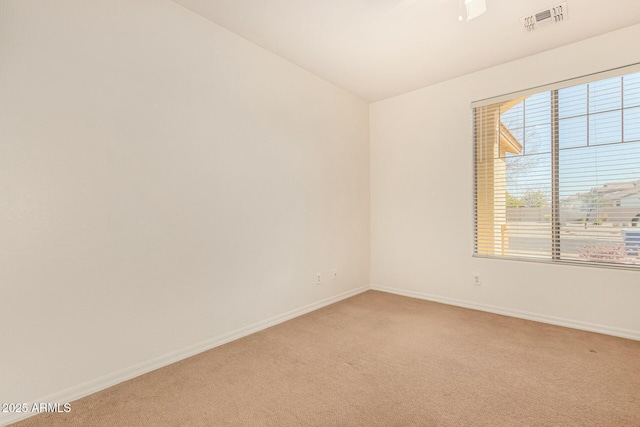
{"points": [[381, 48]]}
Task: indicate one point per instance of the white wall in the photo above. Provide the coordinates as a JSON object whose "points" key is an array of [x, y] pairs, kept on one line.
{"points": [[421, 200], [163, 182]]}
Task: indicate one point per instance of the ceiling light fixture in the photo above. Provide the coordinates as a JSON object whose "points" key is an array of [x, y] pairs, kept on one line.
{"points": [[474, 8]]}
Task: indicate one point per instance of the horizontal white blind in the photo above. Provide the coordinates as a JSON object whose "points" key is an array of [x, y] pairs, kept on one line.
{"points": [[557, 173]]}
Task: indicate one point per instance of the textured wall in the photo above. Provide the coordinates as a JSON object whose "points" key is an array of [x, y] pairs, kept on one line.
{"points": [[422, 200], [162, 182]]}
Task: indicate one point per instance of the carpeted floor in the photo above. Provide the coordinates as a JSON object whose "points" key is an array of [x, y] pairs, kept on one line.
{"points": [[384, 360]]}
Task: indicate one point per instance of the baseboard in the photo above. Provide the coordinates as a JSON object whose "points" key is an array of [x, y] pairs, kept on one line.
{"points": [[85, 389], [559, 321]]}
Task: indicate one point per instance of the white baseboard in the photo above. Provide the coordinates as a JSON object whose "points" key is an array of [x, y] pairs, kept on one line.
{"points": [[569, 323], [101, 383]]}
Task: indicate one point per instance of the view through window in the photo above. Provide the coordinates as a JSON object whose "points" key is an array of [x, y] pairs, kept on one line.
{"points": [[557, 174]]}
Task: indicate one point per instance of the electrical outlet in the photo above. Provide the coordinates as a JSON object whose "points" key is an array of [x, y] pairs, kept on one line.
{"points": [[334, 274], [476, 280], [318, 279]]}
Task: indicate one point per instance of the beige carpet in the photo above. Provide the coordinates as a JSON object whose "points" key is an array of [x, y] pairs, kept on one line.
{"points": [[383, 360]]}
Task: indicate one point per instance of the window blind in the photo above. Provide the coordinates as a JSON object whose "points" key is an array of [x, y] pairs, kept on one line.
{"points": [[557, 172]]}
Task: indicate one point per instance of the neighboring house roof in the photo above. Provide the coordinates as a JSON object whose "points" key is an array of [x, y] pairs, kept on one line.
{"points": [[618, 190], [508, 142], [612, 192]]}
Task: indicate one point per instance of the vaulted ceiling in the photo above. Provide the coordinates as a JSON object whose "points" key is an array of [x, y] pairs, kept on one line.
{"points": [[381, 48]]}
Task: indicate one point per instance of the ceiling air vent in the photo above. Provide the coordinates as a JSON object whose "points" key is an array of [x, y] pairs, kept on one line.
{"points": [[552, 15]]}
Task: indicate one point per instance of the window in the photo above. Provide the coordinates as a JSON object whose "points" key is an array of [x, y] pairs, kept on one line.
{"points": [[557, 172]]}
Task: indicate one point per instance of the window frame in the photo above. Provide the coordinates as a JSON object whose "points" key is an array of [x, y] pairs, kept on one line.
{"points": [[553, 89]]}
